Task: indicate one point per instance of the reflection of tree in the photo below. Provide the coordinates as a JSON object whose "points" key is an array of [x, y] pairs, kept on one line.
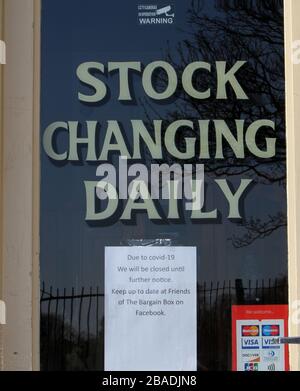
{"points": [[238, 30], [63, 349], [257, 229]]}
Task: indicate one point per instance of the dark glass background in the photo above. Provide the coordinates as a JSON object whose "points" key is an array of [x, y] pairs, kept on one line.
{"points": [[241, 262]]}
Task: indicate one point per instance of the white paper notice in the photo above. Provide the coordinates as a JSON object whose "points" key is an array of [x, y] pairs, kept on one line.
{"points": [[150, 309]]}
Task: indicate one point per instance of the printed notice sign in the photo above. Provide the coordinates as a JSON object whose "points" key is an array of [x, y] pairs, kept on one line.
{"points": [[256, 331], [150, 309]]}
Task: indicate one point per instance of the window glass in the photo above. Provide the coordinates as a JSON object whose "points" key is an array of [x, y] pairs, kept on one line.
{"points": [[239, 260]]}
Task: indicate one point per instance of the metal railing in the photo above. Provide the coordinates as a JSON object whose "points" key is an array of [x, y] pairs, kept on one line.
{"points": [[72, 322]]}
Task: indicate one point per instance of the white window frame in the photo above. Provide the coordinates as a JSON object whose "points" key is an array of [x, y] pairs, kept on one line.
{"points": [[20, 184]]}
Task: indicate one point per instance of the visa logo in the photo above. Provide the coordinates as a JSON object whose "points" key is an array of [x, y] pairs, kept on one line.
{"points": [[269, 343], [250, 343]]}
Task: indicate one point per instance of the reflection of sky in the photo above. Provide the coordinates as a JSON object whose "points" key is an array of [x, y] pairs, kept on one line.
{"points": [[75, 31]]}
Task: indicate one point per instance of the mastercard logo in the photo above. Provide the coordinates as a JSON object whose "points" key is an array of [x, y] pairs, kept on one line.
{"points": [[250, 331]]}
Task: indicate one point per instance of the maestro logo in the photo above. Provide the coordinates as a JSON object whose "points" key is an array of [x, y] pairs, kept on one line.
{"points": [[149, 14], [250, 331], [271, 330]]}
